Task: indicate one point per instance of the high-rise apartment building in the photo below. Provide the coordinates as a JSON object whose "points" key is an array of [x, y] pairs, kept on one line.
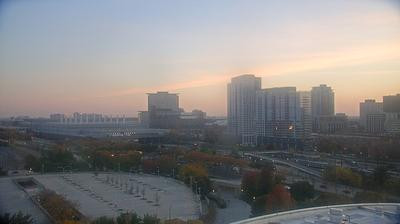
{"points": [[305, 106], [368, 107], [279, 116], [322, 103], [241, 107]]}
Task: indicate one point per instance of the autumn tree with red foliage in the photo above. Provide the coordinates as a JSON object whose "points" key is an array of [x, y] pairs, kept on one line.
{"points": [[279, 199]]}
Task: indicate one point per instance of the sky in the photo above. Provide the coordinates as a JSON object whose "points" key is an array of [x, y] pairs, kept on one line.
{"points": [[104, 56]]}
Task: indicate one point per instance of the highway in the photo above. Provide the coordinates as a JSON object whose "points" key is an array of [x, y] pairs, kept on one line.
{"points": [[286, 163]]}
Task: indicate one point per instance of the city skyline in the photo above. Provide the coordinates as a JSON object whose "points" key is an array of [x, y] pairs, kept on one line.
{"points": [[74, 57]]}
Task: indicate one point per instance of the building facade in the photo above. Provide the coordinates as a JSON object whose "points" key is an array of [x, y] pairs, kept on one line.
{"points": [[331, 124], [163, 109], [367, 107], [305, 106], [391, 108], [279, 117], [375, 123], [242, 107], [322, 103]]}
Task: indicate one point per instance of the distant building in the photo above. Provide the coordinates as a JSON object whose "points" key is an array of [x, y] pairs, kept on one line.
{"points": [[322, 103], [163, 108], [163, 101], [242, 107], [144, 119], [279, 116], [87, 118], [57, 117], [367, 107], [305, 106], [96, 126], [375, 123], [391, 108], [192, 120], [330, 124], [391, 104]]}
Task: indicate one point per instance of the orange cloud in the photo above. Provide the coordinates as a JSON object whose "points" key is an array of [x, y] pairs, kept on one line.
{"points": [[325, 60]]}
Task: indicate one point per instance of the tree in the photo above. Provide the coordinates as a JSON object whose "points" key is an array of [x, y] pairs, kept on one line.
{"points": [[266, 181], [167, 164], [302, 190], [150, 219], [380, 176], [328, 145], [149, 166], [258, 207], [249, 184], [129, 218], [31, 162], [343, 175], [103, 220], [279, 199], [195, 174], [17, 218], [58, 207], [368, 197]]}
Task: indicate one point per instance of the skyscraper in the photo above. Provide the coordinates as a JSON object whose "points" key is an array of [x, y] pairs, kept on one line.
{"points": [[279, 116], [241, 107], [305, 106], [368, 107], [322, 103]]}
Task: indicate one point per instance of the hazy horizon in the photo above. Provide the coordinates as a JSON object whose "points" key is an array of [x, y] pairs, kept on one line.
{"points": [[104, 56]]}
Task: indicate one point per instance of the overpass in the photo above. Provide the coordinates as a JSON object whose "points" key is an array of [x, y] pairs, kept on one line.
{"points": [[285, 163]]}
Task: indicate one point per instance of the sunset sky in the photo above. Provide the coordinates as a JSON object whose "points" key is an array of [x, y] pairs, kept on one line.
{"points": [[103, 56]]}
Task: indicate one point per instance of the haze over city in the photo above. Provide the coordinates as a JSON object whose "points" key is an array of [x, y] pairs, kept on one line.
{"points": [[104, 56]]}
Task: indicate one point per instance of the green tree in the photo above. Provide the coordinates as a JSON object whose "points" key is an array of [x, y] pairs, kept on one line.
{"points": [[343, 176], [129, 218], [151, 219], [302, 190], [368, 197], [266, 181], [103, 220]]}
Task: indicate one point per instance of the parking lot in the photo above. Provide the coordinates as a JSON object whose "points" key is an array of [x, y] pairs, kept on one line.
{"points": [[109, 194]]}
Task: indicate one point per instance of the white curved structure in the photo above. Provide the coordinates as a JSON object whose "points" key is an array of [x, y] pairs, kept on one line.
{"points": [[366, 213]]}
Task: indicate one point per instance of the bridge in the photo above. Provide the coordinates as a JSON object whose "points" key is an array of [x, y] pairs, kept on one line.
{"points": [[285, 163]]}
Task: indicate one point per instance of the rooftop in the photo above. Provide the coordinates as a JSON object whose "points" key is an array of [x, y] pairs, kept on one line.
{"points": [[367, 213]]}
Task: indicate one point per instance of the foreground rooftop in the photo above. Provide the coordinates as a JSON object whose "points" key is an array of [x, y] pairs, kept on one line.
{"points": [[368, 213]]}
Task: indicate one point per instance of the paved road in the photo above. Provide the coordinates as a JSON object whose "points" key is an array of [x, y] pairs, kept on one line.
{"points": [[290, 164]]}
